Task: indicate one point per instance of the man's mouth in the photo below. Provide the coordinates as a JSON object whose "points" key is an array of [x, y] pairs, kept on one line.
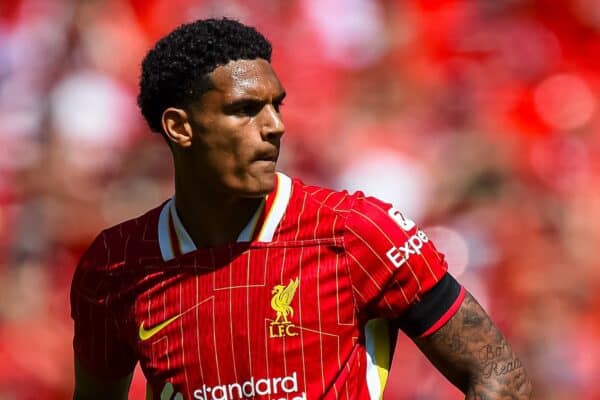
{"points": [[270, 156]]}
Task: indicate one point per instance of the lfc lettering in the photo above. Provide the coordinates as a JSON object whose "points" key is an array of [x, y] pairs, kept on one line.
{"points": [[280, 330]]}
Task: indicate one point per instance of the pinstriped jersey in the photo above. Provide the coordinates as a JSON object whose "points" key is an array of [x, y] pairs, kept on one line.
{"points": [[301, 306]]}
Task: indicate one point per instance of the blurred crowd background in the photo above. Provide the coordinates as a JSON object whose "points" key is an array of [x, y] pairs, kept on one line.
{"points": [[480, 119]]}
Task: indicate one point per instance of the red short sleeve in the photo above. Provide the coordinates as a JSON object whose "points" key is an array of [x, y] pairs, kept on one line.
{"points": [[391, 261], [99, 333]]}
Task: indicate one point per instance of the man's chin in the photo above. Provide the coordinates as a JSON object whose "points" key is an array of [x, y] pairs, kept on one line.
{"points": [[258, 186]]}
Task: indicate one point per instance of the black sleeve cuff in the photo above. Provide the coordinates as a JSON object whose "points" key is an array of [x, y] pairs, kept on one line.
{"points": [[434, 309]]}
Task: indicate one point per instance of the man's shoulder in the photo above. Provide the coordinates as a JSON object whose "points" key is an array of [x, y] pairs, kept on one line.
{"points": [[318, 196], [99, 273], [338, 201], [356, 211], [317, 212], [115, 244]]}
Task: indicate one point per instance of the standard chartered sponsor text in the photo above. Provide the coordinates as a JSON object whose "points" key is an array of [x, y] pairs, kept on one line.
{"points": [[251, 388]]}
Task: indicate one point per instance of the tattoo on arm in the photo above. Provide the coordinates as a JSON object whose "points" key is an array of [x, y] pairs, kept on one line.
{"points": [[472, 353]]}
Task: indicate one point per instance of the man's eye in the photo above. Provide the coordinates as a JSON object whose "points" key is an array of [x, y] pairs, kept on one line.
{"points": [[278, 105], [248, 109]]}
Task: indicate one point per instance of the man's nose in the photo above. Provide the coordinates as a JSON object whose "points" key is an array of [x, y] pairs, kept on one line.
{"points": [[271, 124]]}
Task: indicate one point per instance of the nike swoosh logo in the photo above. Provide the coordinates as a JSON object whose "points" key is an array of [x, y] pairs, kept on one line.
{"points": [[146, 334]]}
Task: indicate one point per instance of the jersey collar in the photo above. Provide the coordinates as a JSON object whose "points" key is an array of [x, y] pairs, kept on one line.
{"points": [[174, 240]]}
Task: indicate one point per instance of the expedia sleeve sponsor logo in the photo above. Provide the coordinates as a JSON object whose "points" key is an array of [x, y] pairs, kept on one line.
{"points": [[277, 388], [413, 245], [401, 220]]}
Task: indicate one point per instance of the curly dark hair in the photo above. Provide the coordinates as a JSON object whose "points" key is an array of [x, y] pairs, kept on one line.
{"points": [[175, 72]]}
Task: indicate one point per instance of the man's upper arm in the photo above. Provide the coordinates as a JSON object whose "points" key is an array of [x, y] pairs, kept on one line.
{"points": [[104, 356], [90, 387], [474, 355], [391, 261], [399, 275]]}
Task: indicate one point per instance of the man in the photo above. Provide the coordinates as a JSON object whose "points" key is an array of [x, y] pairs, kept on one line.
{"points": [[250, 284]]}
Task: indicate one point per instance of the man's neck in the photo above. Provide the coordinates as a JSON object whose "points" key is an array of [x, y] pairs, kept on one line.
{"points": [[212, 220]]}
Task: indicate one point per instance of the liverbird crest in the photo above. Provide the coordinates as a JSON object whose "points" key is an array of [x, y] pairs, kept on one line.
{"points": [[282, 297]]}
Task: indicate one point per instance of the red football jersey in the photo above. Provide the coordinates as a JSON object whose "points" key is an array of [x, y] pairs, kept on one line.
{"points": [[300, 307]]}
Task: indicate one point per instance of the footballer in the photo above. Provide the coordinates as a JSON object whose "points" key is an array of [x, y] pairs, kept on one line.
{"points": [[248, 283]]}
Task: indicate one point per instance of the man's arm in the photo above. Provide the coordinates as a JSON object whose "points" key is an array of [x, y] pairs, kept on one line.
{"points": [[89, 387], [103, 356], [473, 354]]}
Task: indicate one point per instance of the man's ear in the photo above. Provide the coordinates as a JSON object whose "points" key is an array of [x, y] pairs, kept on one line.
{"points": [[177, 127]]}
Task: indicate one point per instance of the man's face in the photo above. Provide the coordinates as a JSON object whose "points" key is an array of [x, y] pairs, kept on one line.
{"points": [[237, 128]]}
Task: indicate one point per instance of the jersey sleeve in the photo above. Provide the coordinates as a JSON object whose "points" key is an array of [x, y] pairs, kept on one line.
{"points": [[396, 271], [99, 341]]}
